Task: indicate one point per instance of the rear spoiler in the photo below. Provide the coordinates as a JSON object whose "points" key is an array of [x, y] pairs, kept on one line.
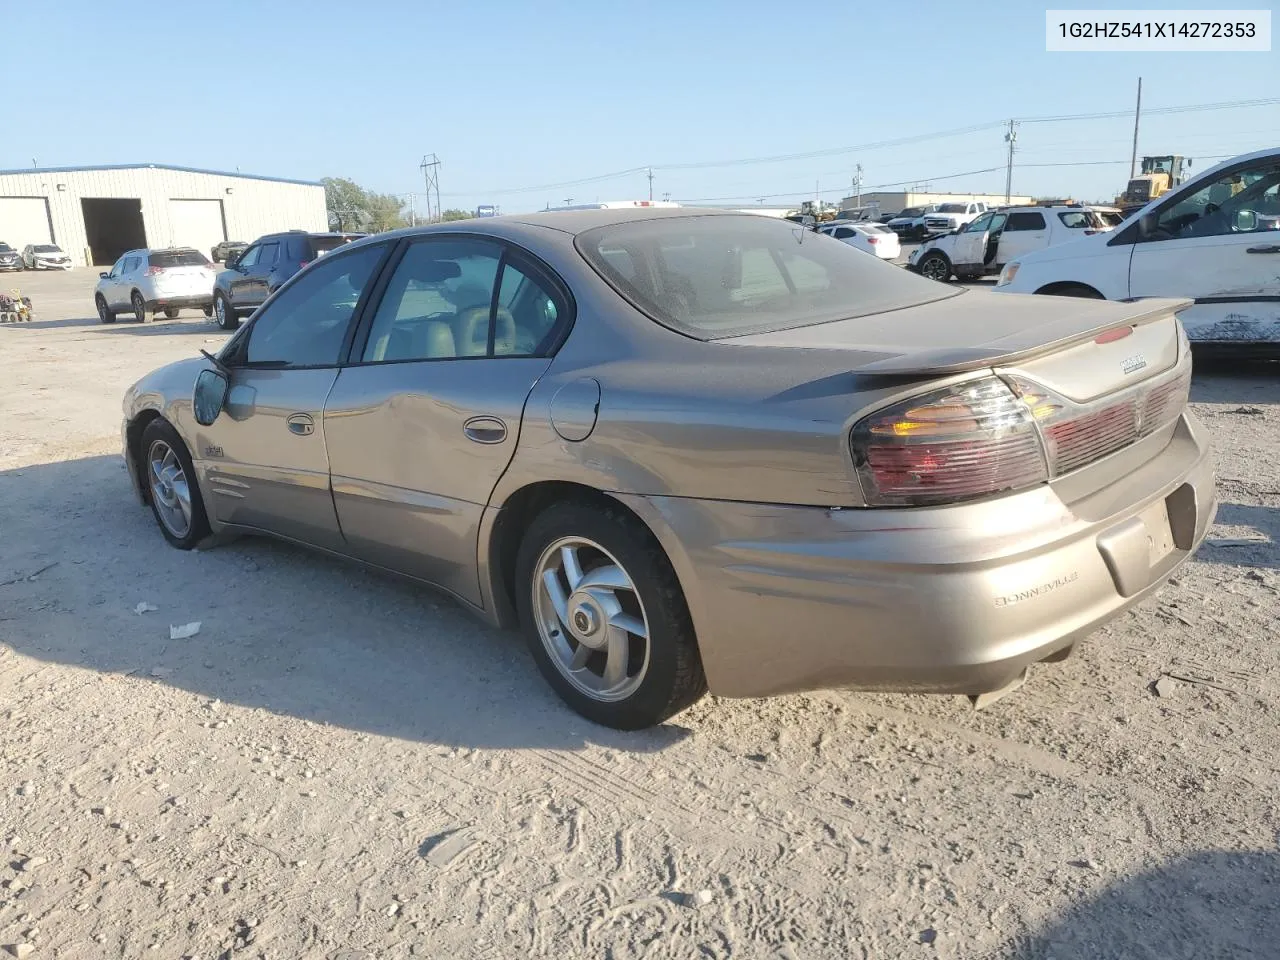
{"points": [[1019, 348]]}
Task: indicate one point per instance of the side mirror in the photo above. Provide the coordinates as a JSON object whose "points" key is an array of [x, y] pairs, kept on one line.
{"points": [[103, 276], [1246, 221], [231, 260], [209, 396]]}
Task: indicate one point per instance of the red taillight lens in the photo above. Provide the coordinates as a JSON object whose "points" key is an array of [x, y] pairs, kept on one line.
{"points": [[154, 271], [873, 240], [959, 443], [303, 264]]}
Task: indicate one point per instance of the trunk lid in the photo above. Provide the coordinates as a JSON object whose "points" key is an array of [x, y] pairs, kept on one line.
{"points": [[1080, 348]]}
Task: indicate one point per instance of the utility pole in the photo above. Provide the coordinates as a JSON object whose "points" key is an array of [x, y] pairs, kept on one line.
{"points": [[651, 183], [568, 201], [1137, 111], [1011, 138], [666, 197], [430, 167], [857, 185]]}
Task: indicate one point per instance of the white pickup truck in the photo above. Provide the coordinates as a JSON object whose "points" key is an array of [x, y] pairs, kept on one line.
{"points": [[948, 216], [993, 239]]}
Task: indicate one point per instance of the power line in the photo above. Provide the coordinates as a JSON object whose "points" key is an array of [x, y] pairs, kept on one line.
{"points": [[875, 145]]}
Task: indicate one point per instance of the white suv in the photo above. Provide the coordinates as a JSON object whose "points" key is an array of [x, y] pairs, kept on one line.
{"points": [[146, 282], [997, 237], [1214, 240]]}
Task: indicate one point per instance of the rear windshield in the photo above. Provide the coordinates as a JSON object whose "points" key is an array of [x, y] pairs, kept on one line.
{"points": [[727, 276], [321, 245], [953, 208], [45, 248], [178, 258]]}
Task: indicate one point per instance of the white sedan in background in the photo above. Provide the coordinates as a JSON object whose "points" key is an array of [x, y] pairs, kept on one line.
{"points": [[869, 237]]}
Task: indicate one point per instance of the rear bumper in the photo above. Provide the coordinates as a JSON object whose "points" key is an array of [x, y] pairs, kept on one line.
{"points": [[940, 600], [178, 302]]}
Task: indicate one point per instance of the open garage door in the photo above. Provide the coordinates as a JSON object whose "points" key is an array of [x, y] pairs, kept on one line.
{"points": [[112, 225], [196, 223], [24, 220]]}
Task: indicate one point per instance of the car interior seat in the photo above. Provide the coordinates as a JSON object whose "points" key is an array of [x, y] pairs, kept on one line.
{"points": [[471, 332]]}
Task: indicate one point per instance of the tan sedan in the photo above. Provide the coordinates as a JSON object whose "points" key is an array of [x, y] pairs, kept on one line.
{"points": [[684, 451]]}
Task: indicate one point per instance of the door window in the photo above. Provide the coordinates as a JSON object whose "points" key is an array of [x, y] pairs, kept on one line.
{"points": [[250, 257], [1080, 220], [535, 311], [131, 264], [844, 233], [1026, 220], [268, 254], [118, 269], [1243, 201], [305, 325], [438, 304], [979, 225]]}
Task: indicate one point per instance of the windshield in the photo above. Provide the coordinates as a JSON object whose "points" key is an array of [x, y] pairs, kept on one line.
{"points": [[321, 245], [5, 248], [953, 208], [45, 248], [727, 276], [911, 212], [178, 258]]}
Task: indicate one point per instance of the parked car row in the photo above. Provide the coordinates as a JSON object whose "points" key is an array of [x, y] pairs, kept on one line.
{"points": [[145, 282], [34, 256]]}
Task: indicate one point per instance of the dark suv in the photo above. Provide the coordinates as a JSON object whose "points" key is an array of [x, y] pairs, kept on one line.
{"points": [[269, 261]]}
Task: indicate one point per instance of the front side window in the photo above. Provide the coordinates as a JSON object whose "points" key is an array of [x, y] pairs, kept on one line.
{"points": [[249, 257], [979, 225], [713, 277], [305, 325], [1027, 220], [1243, 201]]}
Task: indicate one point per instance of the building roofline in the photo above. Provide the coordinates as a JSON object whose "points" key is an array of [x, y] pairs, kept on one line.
{"points": [[156, 166]]}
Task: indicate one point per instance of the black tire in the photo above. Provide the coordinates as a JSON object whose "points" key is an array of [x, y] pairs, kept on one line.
{"points": [[208, 309], [226, 314], [935, 266], [160, 431], [105, 313], [171, 313], [1081, 290], [139, 307], [674, 678]]}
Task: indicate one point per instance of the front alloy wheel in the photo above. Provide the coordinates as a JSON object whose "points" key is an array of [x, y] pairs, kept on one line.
{"points": [[935, 267], [171, 485]]}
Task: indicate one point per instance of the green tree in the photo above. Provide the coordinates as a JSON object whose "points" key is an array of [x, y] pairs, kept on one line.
{"points": [[455, 214], [352, 207]]}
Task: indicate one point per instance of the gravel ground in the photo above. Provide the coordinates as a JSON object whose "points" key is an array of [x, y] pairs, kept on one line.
{"points": [[343, 765]]}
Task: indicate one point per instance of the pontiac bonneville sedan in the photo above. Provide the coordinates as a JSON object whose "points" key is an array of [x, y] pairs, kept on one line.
{"points": [[688, 451]]}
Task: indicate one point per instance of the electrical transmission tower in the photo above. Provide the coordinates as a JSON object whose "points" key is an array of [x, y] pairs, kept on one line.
{"points": [[430, 167]]}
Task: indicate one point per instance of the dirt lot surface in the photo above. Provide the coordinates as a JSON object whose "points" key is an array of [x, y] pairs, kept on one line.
{"points": [[343, 765]]}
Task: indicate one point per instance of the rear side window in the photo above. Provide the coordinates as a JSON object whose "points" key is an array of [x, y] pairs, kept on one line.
{"points": [[1079, 220], [131, 264], [1025, 220], [268, 254], [721, 276], [178, 258], [319, 245]]}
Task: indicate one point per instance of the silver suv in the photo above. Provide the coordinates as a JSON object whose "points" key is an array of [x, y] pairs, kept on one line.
{"points": [[147, 282]]}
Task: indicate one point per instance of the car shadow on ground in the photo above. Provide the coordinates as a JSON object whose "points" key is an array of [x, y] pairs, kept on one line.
{"points": [[282, 628], [1247, 382], [1205, 905], [1259, 544]]}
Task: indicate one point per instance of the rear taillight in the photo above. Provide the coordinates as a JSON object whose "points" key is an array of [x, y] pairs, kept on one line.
{"points": [[154, 271], [873, 240], [959, 443], [303, 264]]}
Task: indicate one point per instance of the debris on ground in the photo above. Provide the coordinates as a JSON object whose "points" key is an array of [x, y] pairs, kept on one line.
{"points": [[144, 607], [185, 631]]}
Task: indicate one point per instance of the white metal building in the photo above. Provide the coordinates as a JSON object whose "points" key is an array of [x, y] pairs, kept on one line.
{"points": [[895, 200], [97, 213]]}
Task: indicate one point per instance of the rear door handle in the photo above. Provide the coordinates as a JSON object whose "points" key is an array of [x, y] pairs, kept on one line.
{"points": [[1271, 249], [485, 430], [302, 424]]}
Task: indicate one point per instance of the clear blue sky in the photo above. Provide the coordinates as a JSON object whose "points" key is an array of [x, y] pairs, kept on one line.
{"points": [[516, 94]]}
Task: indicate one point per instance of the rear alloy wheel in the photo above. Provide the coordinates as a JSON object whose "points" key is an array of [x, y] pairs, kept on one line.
{"points": [[139, 307], [171, 483], [605, 618], [225, 313], [105, 313], [171, 313], [935, 266]]}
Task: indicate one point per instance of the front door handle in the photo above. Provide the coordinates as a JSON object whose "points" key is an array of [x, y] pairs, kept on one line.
{"points": [[485, 430], [302, 424], [1271, 249]]}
